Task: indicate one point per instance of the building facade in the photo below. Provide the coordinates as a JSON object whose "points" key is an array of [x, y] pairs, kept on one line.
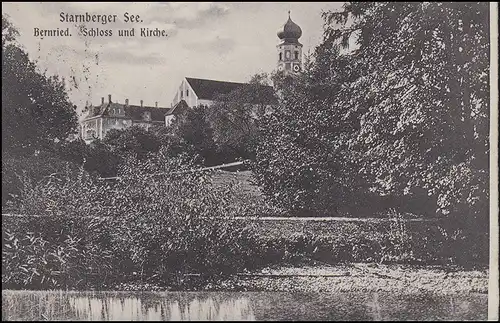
{"points": [[194, 92], [100, 119]]}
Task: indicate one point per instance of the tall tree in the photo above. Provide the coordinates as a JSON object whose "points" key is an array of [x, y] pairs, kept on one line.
{"points": [[36, 114], [404, 112], [36, 110], [303, 160], [421, 93]]}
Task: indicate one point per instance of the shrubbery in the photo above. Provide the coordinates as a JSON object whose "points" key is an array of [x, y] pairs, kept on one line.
{"points": [[57, 252], [35, 168], [159, 219]]}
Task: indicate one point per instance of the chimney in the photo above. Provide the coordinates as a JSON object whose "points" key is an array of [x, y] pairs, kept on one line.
{"points": [[141, 103], [102, 100], [126, 102], [109, 98], [156, 104]]}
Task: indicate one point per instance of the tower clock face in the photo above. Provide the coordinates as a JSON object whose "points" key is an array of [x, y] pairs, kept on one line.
{"points": [[280, 68], [296, 68]]}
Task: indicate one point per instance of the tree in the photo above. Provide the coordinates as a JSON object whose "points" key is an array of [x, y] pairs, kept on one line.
{"points": [[96, 158], [403, 113], [36, 110], [234, 118], [135, 139], [421, 94], [303, 162], [36, 115], [193, 134]]}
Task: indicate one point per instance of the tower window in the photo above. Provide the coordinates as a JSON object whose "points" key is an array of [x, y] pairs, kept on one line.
{"points": [[287, 54], [187, 92], [296, 55], [281, 56]]}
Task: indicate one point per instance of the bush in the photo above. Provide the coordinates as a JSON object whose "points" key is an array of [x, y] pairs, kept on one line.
{"points": [[162, 219], [56, 252], [17, 169], [178, 220], [159, 219]]}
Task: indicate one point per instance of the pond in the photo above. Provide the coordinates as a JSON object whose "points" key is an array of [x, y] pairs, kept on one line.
{"points": [[249, 306]]}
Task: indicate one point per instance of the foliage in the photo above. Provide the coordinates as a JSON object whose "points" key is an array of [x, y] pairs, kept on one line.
{"points": [[158, 224], [36, 110], [403, 113], [193, 134], [36, 115], [399, 240], [234, 118], [82, 252], [303, 162], [178, 220], [420, 92], [35, 168], [135, 139], [67, 193], [56, 252]]}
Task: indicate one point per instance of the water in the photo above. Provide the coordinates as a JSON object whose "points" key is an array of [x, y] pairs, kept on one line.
{"points": [[249, 306]]}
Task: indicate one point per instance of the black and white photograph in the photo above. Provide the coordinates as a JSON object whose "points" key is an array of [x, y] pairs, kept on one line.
{"points": [[250, 161]]}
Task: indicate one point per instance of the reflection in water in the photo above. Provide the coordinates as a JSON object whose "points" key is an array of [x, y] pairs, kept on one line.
{"points": [[111, 306], [145, 306], [167, 308]]}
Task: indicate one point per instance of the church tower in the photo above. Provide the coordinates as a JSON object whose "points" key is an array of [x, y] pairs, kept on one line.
{"points": [[289, 49]]}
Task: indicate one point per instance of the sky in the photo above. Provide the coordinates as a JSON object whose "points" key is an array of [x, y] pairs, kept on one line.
{"points": [[213, 40]]}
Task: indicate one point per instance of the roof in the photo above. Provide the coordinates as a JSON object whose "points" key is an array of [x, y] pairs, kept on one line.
{"points": [[209, 89], [290, 31], [134, 112], [181, 105]]}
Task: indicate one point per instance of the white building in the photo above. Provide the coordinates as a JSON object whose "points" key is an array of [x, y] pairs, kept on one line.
{"points": [[193, 92], [109, 115]]}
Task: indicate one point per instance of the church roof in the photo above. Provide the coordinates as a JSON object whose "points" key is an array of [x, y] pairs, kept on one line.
{"points": [[210, 89], [134, 112]]}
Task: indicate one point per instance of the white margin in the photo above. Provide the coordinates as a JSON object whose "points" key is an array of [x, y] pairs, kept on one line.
{"points": [[493, 291]]}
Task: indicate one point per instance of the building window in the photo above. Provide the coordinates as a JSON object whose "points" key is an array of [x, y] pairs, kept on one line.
{"points": [[187, 92], [281, 56], [182, 94], [296, 55], [287, 54]]}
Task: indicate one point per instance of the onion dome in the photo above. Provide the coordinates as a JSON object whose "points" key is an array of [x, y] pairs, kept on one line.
{"points": [[290, 31]]}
